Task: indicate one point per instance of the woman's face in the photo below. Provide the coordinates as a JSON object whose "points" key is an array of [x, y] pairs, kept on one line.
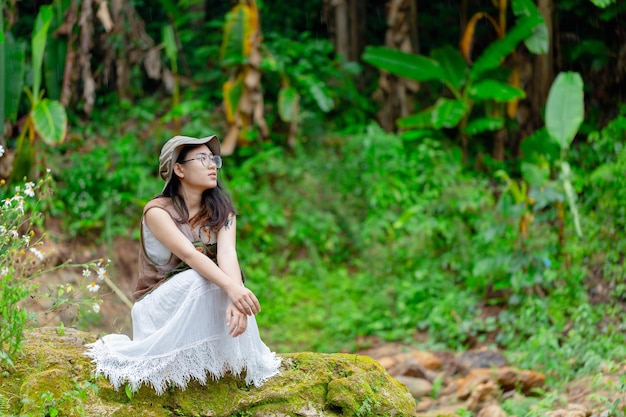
{"points": [[197, 170]]}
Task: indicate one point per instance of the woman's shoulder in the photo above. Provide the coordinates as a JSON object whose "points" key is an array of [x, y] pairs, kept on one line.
{"points": [[159, 201]]}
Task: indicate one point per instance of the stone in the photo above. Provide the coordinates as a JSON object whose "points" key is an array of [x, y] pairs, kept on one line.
{"points": [[418, 387], [427, 359], [507, 378], [387, 362], [310, 385], [482, 358], [491, 410], [571, 410]]}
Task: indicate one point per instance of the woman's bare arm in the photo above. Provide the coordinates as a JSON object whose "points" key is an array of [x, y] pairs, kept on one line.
{"points": [[164, 229]]}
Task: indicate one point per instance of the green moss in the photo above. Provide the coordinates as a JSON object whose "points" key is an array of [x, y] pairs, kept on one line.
{"points": [[323, 384]]}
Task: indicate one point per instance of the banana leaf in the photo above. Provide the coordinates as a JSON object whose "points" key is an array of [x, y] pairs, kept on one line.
{"points": [[13, 81], [40, 33], [565, 108], [495, 90], [414, 67], [452, 65], [448, 113], [55, 52], [421, 120], [24, 157], [319, 92], [169, 41], [495, 53], [232, 91], [50, 121], [288, 98], [3, 93], [483, 124], [238, 29]]}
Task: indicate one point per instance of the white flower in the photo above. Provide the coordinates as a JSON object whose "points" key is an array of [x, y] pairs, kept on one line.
{"points": [[20, 203], [93, 287], [14, 233], [5, 271], [26, 239], [1, 150], [29, 190], [101, 273], [86, 272], [96, 308], [37, 253]]}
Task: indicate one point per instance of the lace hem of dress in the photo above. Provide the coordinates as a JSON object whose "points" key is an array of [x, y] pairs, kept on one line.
{"points": [[197, 362]]}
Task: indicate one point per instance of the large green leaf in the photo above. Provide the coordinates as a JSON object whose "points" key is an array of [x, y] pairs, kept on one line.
{"points": [[50, 121], [495, 90], [288, 98], [524, 8], [236, 30], [24, 157], [452, 64], [495, 53], [13, 80], [319, 92], [534, 174], [539, 41], [603, 3], [40, 32], [419, 120], [171, 49], [232, 92], [419, 134], [415, 67], [2, 72], [483, 124], [445, 113], [55, 52], [448, 113], [540, 146], [565, 108]]}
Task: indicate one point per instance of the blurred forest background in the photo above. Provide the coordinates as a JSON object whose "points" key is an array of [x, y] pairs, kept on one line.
{"points": [[448, 173]]}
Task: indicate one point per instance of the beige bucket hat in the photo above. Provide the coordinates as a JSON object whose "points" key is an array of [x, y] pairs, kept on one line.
{"points": [[172, 148]]}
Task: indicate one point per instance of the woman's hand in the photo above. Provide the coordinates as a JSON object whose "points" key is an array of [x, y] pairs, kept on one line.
{"points": [[236, 321], [243, 299]]}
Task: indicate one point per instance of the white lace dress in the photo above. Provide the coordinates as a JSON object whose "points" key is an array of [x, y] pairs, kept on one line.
{"points": [[180, 334]]}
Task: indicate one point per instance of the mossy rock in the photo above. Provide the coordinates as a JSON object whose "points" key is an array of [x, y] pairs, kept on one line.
{"points": [[53, 375]]}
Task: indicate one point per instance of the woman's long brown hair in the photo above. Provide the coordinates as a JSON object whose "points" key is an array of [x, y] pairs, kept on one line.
{"points": [[217, 205]]}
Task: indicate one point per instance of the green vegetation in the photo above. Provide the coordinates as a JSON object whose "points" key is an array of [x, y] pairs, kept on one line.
{"points": [[347, 230]]}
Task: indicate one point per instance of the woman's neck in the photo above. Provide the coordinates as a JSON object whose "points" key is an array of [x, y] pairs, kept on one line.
{"points": [[193, 201]]}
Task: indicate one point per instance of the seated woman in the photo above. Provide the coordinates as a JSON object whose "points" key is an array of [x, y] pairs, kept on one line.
{"points": [[193, 316]]}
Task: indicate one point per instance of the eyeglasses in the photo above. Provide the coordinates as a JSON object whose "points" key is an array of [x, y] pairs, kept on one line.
{"points": [[206, 160]]}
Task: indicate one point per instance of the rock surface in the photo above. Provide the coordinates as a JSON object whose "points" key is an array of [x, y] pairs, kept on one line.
{"points": [[54, 378]]}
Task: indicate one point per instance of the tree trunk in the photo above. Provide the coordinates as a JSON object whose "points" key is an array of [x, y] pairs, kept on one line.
{"points": [[543, 73], [346, 26], [393, 92], [413, 33], [341, 28]]}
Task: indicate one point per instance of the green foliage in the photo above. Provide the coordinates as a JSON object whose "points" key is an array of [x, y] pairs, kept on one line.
{"points": [[47, 118], [475, 92], [100, 190], [68, 403], [21, 263], [13, 68], [314, 86]]}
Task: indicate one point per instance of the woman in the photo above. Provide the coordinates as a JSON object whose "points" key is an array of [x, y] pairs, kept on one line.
{"points": [[192, 316]]}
